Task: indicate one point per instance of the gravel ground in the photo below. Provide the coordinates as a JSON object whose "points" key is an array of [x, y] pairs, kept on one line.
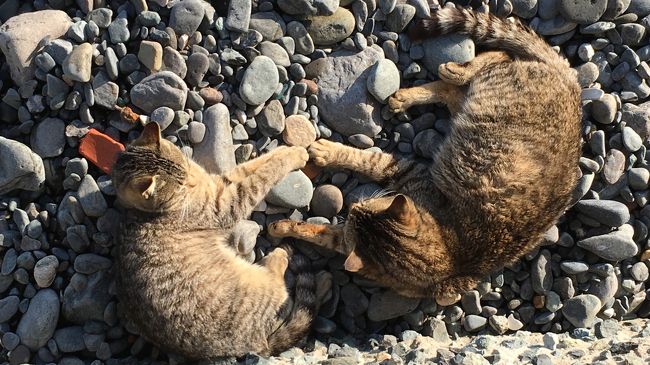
{"points": [[292, 71]]}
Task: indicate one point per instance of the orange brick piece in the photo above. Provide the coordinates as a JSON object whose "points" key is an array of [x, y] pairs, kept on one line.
{"points": [[100, 149]]}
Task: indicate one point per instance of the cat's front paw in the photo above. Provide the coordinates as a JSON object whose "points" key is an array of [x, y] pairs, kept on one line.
{"points": [[453, 73], [298, 156], [323, 152], [281, 228], [397, 102]]}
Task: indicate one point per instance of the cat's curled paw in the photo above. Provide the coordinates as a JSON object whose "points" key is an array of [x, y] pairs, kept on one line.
{"points": [[453, 73], [323, 152], [397, 102], [298, 155]]}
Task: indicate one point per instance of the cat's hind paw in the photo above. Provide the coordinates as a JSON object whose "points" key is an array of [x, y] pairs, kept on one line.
{"points": [[323, 152], [446, 300]]}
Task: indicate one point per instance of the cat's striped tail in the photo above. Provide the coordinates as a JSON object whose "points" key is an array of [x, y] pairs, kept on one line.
{"points": [[487, 30], [304, 309]]}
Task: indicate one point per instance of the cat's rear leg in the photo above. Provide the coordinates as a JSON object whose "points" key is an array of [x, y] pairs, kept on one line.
{"points": [[461, 74], [433, 92], [324, 235]]}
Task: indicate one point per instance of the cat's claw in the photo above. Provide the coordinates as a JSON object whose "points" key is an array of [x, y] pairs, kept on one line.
{"points": [[323, 152]]}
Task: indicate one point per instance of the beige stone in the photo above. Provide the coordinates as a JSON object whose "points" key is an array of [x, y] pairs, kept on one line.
{"points": [[151, 54], [298, 131], [21, 39]]}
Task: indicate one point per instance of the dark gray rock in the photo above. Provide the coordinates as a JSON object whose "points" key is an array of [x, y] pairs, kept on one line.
{"points": [[37, 325], [160, 89], [20, 168]]}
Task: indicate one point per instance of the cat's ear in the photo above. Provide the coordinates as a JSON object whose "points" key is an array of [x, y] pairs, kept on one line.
{"points": [[401, 209], [353, 263], [150, 136], [147, 185]]}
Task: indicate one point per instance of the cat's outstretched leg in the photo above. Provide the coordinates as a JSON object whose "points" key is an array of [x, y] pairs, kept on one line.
{"points": [[462, 74], [247, 185], [377, 166], [432, 92], [324, 235]]}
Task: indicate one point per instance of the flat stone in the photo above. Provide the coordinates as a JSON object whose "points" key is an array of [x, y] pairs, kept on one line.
{"points": [[45, 271], [8, 308], [608, 212], [294, 191], [275, 52], [239, 15], [174, 62], [216, 152], [613, 246], [260, 81], [298, 131], [37, 325], [48, 138], [308, 7], [329, 29], [164, 88], [343, 100], [21, 36], [303, 42], [397, 20], [70, 339], [582, 11], [20, 168], [90, 263], [91, 198], [86, 297]]}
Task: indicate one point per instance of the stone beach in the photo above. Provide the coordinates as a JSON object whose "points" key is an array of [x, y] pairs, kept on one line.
{"points": [[228, 81]]}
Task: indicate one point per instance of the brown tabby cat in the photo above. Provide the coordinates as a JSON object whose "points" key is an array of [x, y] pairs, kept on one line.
{"points": [[502, 177], [178, 280]]}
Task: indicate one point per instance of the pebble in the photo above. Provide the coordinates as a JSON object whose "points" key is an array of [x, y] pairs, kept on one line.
{"points": [[329, 29], [196, 132], [70, 339], [151, 54], [607, 328], [215, 152], [400, 17], [327, 201], [271, 120], [294, 191], [384, 80], [8, 308], [160, 89], [275, 52], [474, 323], [259, 82], [45, 271], [77, 65], [91, 198], [361, 141], [48, 138], [449, 48], [614, 166], [174, 62], [604, 109], [582, 11], [90, 263], [608, 212], [10, 340], [612, 246], [540, 272], [298, 131], [37, 325], [303, 42], [270, 24], [308, 7], [343, 100], [581, 310], [119, 30], [20, 168], [239, 15], [197, 68], [186, 16]]}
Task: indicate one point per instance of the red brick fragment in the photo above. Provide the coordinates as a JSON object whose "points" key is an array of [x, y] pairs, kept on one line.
{"points": [[100, 149]]}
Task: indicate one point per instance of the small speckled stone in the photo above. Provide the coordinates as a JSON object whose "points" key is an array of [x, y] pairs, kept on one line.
{"points": [[298, 131]]}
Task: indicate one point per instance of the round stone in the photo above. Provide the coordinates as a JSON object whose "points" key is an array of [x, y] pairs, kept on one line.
{"points": [[48, 138], [260, 81], [37, 325], [196, 132], [604, 109], [448, 48], [186, 16], [45, 271], [160, 89], [298, 131], [327, 201]]}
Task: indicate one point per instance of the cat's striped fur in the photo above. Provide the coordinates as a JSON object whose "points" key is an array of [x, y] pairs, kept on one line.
{"points": [[179, 281], [501, 178]]}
